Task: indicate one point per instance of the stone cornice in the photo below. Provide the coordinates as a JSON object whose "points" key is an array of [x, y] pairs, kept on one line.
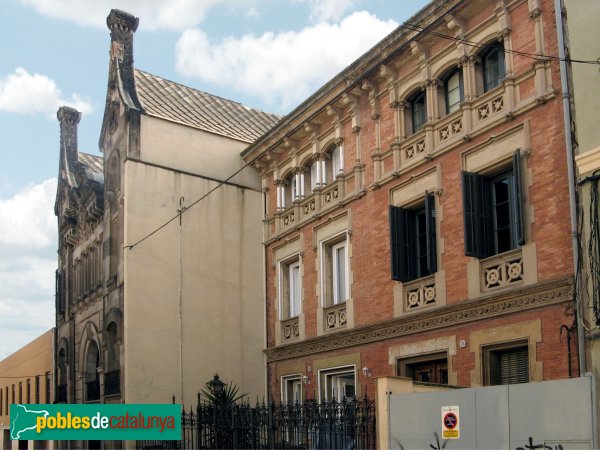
{"points": [[498, 304]]}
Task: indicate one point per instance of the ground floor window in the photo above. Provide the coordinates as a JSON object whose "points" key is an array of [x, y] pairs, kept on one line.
{"points": [[338, 383], [431, 368], [506, 363], [291, 389]]}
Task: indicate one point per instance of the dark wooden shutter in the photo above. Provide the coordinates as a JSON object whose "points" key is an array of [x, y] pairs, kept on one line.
{"points": [[473, 212], [514, 366], [399, 243], [430, 228], [517, 199]]}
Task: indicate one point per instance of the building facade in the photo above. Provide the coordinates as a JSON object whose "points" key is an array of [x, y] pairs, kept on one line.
{"points": [[158, 242], [26, 377], [416, 211]]}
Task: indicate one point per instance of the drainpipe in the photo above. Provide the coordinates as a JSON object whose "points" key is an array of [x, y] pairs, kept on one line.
{"points": [[571, 178]]}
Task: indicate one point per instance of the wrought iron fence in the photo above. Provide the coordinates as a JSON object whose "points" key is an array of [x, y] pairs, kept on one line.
{"points": [[347, 424]]}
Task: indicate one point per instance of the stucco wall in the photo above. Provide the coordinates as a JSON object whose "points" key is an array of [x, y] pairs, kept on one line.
{"points": [[221, 313], [191, 150], [584, 44]]}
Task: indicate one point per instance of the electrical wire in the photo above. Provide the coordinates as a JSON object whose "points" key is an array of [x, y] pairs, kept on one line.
{"points": [[183, 211], [417, 28]]}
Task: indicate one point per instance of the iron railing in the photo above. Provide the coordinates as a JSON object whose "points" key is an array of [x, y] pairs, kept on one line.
{"points": [[346, 424]]}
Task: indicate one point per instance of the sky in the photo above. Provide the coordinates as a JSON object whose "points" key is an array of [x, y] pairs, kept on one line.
{"points": [[266, 54]]}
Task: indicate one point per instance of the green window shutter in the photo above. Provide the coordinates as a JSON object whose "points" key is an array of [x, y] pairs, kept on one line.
{"points": [[430, 228], [473, 213], [517, 199], [399, 243]]}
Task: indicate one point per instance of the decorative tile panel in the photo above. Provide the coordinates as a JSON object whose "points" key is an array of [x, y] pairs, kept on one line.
{"points": [[335, 317], [419, 294], [290, 329], [502, 271]]}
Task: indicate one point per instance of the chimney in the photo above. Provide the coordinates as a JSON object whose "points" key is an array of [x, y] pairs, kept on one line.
{"points": [[68, 118], [122, 25]]}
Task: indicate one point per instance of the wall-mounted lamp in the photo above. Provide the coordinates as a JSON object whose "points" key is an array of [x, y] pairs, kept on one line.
{"points": [[367, 372], [305, 379]]}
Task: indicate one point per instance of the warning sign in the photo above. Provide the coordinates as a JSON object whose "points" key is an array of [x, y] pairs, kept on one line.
{"points": [[450, 422]]}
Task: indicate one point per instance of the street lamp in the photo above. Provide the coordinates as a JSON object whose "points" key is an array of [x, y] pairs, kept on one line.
{"points": [[216, 385]]}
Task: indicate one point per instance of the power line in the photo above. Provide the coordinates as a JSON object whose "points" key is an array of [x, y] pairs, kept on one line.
{"points": [[417, 28], [220, 183]]}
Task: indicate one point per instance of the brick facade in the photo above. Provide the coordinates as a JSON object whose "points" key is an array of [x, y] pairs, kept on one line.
{"points": [[364, 109]]}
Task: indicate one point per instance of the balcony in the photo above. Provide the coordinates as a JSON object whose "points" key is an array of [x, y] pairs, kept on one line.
{"points": [[112, 383]]}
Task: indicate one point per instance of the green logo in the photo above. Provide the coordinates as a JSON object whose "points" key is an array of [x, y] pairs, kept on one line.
{"points": [[95, 422]]}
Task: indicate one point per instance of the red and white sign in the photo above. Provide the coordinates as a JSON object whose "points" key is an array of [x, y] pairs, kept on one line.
{"points": [[450, 422]]}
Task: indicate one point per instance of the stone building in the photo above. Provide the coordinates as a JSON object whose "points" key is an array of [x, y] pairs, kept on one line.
{"points": [[416, 217], [26, 377], [158, 242]]}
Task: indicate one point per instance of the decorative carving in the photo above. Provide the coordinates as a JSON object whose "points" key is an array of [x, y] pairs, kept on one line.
{"points": [[489, 108], [309, 207], [420, 294], [414, 149], [501, 272], [335, 317], [288, 219], [331, 195], [450, 130], [290, 329], [520, 299]]}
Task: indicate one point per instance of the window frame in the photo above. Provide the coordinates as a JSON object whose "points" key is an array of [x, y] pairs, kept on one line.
{"points": [[325, 375], [419, 98], [489, 351], [461, 91], [480, 214], [403, 363], [287, 303], [329, 276], [293, 379], [404, 240], [492, 80]]}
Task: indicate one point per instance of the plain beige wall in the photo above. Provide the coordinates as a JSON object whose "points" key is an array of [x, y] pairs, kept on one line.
{"points": [[192, 150], [222, 295]]}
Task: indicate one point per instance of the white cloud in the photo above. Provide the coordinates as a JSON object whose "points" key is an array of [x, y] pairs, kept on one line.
{"points": [[329, 10], [153, 14], [22, 92], [28, 234], [280, 68]]}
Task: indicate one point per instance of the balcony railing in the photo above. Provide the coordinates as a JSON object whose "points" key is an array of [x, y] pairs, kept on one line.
{"points": [[112, 382]]}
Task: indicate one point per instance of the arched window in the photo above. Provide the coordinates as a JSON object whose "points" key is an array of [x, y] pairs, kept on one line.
{"points": [[418, 111], [61, 376], [112, 378], [453, 91], [92, 377], [492, 66]]}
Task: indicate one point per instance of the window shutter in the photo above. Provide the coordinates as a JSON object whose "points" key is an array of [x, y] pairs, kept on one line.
{"points": [[473, 213], [517, 199], [430, 229], [399, 243], [514, 366]]}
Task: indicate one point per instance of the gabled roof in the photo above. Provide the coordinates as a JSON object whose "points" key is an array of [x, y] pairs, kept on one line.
{"points": [[181, 104]]}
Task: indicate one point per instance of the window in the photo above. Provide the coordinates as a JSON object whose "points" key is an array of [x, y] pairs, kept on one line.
{"points": [[335, 271], [413, 241], [453, 91], [506, 364], [112, 377], [291, 389], [28, 391], [290, 288], [315, 175], [337, 165], [493, 211], [339, 383], [37, 389], [48, 388], [426, 368], [92, 380], [418, 112], [20, 392], [1, 401], [492, 66]]}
